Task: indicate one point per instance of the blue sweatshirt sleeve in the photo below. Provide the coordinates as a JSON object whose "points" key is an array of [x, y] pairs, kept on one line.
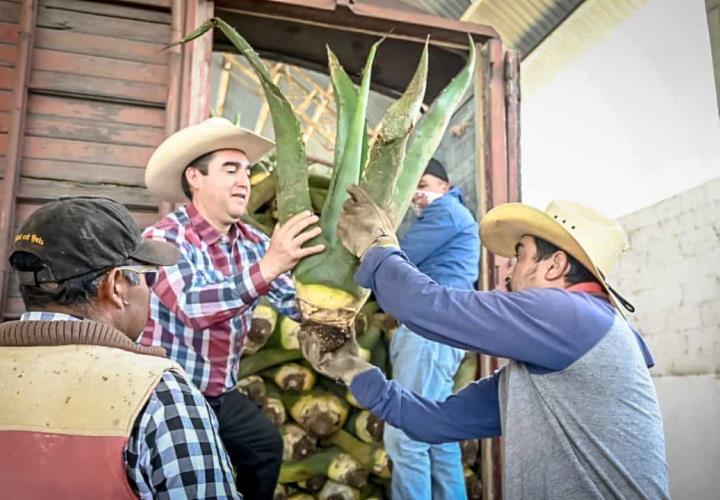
{"points": [[472, 413], [548, 328], [435, 228]]}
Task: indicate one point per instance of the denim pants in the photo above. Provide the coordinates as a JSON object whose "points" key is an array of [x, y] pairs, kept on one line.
{"points": [[420, 470]]}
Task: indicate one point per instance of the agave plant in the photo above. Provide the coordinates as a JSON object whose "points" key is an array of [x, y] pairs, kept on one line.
{"points": [[389, 171]]}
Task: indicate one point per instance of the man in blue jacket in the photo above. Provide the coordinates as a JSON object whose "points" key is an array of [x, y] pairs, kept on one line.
{"points": [[575, 404], [444, 244]]}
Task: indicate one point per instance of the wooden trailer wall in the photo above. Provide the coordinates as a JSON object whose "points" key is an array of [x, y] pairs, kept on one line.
{"points": [[96, 79]]}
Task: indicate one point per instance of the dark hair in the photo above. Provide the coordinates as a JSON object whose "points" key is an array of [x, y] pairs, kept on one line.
{"points": [[74, 292], [577, 273], [201, 163]]}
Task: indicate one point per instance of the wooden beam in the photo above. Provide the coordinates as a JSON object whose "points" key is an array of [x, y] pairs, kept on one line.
{"points": [[309, 98], [512, 99], [314, 122], [16, 133], [276, 73], [196, 65], [481, 186], [223, 87], [175, 73]]}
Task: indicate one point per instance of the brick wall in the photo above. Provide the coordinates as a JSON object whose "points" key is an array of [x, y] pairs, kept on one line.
{"points": [[672, 275]]}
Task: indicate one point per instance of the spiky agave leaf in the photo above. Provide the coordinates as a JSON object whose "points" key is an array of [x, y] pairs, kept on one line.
{"points": [[291, 165], [387, 154], [428, 135]]}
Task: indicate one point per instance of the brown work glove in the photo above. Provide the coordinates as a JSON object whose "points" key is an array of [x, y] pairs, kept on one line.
{"points": [[341, 364], [364, 225]]}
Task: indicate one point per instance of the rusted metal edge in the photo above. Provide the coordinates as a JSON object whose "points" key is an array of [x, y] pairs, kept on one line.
{"points": [[497, 148], [16, 132], [364, 18], [513, 99]]}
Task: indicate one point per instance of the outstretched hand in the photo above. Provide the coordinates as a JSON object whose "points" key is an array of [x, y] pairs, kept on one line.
{"points": [[363, 224], [341, 364], [286, 245]]}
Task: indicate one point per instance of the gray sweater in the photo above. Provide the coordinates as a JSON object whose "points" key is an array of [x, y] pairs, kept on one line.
{"points": [[593, 430]]}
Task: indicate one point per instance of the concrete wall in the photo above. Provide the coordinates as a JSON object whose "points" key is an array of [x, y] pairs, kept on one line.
{"points": [[671, 274]]}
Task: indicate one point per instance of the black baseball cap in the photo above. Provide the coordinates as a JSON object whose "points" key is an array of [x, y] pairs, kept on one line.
{"points": [[436, 169], [73, 237]]}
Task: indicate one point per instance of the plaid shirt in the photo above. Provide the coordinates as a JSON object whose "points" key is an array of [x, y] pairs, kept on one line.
{"points": [[201, 308], [174, 450]]}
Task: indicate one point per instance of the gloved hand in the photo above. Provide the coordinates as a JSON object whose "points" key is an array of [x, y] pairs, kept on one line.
{"points": [[341, 364], [364, 225]]}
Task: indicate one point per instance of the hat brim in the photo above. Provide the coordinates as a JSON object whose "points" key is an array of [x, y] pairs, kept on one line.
{"points": [[157, 253], [167, 163], [503, 226]]}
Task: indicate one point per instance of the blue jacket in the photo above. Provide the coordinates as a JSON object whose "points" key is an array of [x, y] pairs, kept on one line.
{"points": [[444, 242]]}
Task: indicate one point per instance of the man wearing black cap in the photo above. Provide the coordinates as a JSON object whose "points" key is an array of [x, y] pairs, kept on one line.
{"points": [[88, 413], [443, 243]]}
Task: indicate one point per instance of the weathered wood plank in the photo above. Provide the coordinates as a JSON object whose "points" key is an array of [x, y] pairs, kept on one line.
{"points": [[80, 64], [39, 189], [110, 10], [26, 208], [5, 100], [92, 24], [8, 54], [95, 110], [3, 143], [4, 121], [9, 11], [92, 131], [7, 78], [92, 173], [81, 43], [163, 4], [88, 152], [98, 87], [8, 32]]}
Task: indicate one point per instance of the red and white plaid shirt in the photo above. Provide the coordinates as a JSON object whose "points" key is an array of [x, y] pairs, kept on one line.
{"points": [[201, 308]]}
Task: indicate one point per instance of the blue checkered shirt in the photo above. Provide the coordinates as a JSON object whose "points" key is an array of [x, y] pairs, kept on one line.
{"points": [[174, 450], [201, 308]]}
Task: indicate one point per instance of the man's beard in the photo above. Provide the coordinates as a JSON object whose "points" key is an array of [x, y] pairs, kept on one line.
{"points": [[508, 285]]}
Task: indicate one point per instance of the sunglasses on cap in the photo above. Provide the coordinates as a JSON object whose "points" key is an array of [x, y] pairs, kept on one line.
{"points": [[149, 273]]}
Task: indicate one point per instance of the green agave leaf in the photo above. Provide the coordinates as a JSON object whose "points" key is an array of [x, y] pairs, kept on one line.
{"points": [[386, 155], [293, 195], [348, 168], [428, 135]]}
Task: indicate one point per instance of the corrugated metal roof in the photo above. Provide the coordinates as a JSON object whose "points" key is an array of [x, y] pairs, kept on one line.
{"points": [[522, 24], [453, 9], [589, 23]]}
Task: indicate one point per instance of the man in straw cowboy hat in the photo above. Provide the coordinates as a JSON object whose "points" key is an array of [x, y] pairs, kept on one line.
{"points": [[87, 413], [201, 308], [575, 405]]}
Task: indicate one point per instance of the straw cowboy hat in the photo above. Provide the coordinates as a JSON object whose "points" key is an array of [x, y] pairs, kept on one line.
{"points": [[168, 161], [593, 239]]}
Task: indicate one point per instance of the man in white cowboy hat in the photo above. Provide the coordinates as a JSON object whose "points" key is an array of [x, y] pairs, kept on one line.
{"points": [[201, 308], [575, 405]]}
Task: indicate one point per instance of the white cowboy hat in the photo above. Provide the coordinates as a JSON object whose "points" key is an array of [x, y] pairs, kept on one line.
{"points": [[593, 239], [169, 160]]}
